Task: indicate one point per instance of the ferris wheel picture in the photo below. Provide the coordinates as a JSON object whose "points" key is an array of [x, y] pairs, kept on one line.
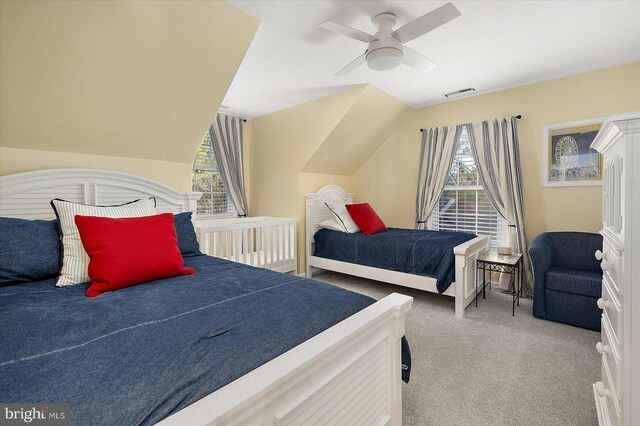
{"points": [[569, 158], [566, 152]]}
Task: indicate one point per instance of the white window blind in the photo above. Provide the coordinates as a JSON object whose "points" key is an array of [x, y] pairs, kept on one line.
{"points": [[464, 205], [206, 179]]}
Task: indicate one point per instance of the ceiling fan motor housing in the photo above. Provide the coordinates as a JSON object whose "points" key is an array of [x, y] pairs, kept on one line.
{"points": [[386, 52]]}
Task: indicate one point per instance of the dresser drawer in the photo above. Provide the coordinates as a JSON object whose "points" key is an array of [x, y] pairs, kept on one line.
{"points": [[612, 309], [612, 266], [613, 409], [612, 359]]}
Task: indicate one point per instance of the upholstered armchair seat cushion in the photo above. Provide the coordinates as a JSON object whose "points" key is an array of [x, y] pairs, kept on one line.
{"points": [[575, 281]]}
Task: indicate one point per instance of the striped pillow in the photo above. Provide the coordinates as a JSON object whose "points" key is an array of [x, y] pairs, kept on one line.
{"points": [[75, 261]]}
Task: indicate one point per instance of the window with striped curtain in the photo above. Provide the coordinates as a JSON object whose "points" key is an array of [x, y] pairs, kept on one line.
{"points": [[464, 205], [215, 200]]}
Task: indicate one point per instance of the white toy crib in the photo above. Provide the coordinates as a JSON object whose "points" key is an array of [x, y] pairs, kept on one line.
{"points": [[265, 242]]}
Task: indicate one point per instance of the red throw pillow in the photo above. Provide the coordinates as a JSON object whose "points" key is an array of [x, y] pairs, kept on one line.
{"points": [[126, 252], [366, 218]]}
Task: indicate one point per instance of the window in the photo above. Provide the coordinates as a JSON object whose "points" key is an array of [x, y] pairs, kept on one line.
{"points": [[464, 205], [206, 179]]}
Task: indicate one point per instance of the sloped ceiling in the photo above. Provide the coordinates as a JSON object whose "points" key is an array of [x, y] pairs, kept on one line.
{"points": [[138, 79], [358, 134], [283, 142], [494, 45]]}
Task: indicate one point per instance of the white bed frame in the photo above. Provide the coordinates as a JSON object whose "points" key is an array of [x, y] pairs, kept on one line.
{"points": [[348, 374], [463, 289]]}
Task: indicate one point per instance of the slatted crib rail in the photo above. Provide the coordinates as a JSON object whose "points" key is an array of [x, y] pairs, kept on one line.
{"points": [[265, 242]]}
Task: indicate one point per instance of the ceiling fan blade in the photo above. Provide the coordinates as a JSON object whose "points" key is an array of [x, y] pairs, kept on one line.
{"points": [[347, 31], [426, 23], [417, 61], [360, 60]]}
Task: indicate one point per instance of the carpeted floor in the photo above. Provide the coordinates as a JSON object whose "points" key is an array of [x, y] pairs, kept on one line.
{"points": [[490, 368]]}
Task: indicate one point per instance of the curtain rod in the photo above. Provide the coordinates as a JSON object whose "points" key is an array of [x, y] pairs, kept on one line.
{"points": [[517, 116]]}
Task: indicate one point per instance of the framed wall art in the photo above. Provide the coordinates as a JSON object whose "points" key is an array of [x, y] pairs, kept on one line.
{"points": [[568, 159]]}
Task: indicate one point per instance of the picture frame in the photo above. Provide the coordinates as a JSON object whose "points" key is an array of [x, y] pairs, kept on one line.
{"points": [[568, 159]]}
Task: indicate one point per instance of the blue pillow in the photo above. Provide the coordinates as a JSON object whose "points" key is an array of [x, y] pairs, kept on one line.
{"points": [[29, 250], [187, 240]]}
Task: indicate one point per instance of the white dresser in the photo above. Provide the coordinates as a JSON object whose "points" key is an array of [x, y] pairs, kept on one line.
{"points": [[618, 394]]}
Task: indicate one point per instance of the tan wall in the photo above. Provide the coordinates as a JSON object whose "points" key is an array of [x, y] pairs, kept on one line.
{"points": [[360, 132], [107, 80], [281, 144], [298, 150], [171, 173], [17, 160], [388, 180]]}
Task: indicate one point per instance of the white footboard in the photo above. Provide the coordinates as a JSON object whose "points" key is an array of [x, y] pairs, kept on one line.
{"points": [[349, 374], [466, 255], [265, 242]]}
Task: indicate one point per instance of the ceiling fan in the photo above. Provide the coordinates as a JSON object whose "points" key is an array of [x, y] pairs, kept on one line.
{"points": [[386, 48]]}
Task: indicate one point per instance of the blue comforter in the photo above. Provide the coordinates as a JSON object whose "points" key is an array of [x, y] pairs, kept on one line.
{"points": [[137, 355], [413, 251]]}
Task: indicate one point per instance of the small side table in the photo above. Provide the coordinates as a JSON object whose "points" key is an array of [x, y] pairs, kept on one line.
{"points": [[491, 261]]}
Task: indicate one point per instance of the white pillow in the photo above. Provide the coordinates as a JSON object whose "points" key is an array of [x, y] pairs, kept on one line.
{"points": [[343, 216], [331, 224], [75, 261]]}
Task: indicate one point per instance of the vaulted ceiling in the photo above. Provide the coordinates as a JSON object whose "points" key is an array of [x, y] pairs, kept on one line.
{"points": [[361, 130], [493, 45]]}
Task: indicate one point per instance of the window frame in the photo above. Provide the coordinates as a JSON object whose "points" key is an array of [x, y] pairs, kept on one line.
{"points": [[231, 209], [502, 225]]}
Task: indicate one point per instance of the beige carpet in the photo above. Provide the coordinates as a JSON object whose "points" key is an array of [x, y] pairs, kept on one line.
{"points": [[490, 368]]}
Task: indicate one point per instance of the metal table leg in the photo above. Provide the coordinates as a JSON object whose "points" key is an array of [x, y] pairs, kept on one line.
{"points": [[476, 284], [484, 282]]}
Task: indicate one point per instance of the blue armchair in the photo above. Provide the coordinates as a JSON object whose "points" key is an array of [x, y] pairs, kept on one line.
{"points": [[567, 278]]}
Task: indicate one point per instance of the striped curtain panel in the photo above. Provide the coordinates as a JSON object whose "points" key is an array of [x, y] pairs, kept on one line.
{"points": [[496, 151], [226, 140], [436, 155]]}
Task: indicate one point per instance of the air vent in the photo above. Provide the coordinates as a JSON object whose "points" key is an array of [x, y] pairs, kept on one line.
{"points": [[459, 92]]}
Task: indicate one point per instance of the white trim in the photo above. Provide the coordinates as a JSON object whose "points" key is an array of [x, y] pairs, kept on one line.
{"points": [[545, 153], [217, 216], [356, 362], [615, 128], [28, 194], [463, 289]]}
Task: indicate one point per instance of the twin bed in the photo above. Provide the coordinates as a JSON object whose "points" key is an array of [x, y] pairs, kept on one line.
{"points": [[232, 344], [435, 261]]}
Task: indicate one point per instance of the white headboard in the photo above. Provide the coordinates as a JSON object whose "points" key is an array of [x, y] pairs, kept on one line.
{"points": [[27, 195], [317, 211]]}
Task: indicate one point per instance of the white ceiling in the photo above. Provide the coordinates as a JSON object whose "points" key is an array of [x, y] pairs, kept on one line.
{"points": [[493, 45]]}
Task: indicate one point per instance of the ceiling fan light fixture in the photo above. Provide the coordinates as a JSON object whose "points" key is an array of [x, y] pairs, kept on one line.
{"points": [[384, 59], [386, 50]]}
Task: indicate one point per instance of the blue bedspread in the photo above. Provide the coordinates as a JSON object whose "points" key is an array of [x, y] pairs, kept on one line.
{"points": [[137, 355], [413, 251]]}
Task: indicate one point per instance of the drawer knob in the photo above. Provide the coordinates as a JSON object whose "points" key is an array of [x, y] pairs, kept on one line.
{"points": [[602, 348], [603, 304], [605, 265], [599, 255]]}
